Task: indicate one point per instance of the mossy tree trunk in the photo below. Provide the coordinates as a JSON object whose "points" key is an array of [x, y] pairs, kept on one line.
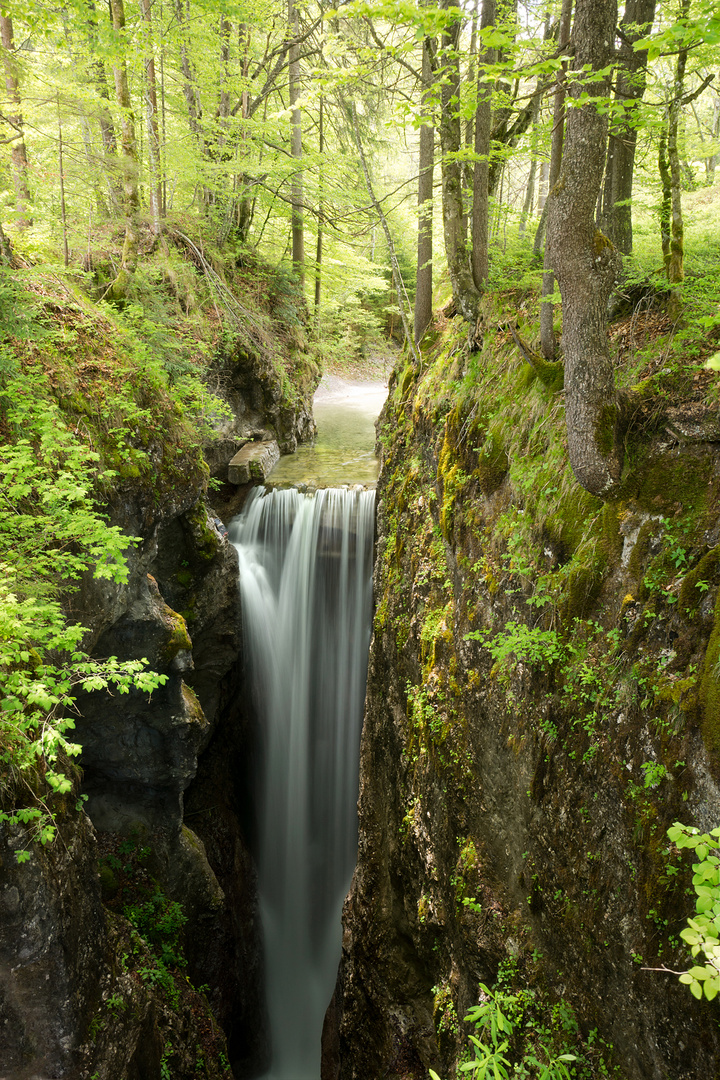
{"points": [[586, 263]]}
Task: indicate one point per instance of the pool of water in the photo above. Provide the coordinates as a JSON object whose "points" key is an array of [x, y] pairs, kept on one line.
{"points": [[344, 449]]}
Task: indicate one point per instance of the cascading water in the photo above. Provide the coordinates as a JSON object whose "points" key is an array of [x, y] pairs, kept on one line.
{"points": [[306, 587]]}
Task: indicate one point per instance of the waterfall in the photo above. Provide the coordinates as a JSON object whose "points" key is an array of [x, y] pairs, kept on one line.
{"points": [[306, 587]]}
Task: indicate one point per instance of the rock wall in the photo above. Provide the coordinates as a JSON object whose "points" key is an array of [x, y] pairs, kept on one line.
{"points": [[540, 709], [167, 819]]}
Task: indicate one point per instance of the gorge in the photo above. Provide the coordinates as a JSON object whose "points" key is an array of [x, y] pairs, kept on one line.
{"points": [[540, 708]]}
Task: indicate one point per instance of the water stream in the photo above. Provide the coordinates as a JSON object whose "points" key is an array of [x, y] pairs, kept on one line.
{"points": [[306, 589]]}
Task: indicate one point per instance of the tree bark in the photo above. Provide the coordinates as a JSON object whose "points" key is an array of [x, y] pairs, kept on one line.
{"points": [[465, 294], [547, 332], [298, 233], [128, 144], [18, 151], [586, 263], [483, 126], [616, 216], [423, 280]]}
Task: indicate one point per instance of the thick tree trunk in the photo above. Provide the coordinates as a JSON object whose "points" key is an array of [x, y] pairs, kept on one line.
{"points": [[18, 151], [423, 280], [483, 126], [547, 310], [298, 232], [616, 217], [128, 144], [465, 294], [586, 264]]}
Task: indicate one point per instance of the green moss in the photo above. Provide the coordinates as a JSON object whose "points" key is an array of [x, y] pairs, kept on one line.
{"points": [[582, 586], [493, 464], [179, 639], [696, 582], [206, 542], [709, 694], [605, 428]]}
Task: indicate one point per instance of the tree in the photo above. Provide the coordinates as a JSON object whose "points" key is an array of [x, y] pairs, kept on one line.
{"points": [[465, 293], [15, 120], [298, 234], [483, 126], [426, 155], [584, 261], [616, 215], [117, 291], [547, 333]]}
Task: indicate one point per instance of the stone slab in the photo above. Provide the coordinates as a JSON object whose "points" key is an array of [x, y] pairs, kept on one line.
{"points": [[254, 462]]}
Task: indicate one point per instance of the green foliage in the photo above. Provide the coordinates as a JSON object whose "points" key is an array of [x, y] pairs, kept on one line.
{"points": [[539, 648], [702, 932], [160, 922], [506, 1042], [51, 533]]}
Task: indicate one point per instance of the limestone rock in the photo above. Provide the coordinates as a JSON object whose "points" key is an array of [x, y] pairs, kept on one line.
{"points": [[255, 461]]}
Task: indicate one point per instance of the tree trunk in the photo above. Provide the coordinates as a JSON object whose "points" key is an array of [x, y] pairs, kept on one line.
{"points": [[665, 212], [98, 78], [483, 125], [423, 281], [319, 241], [190, 93], [397, 276], [529, 200], [128, 144], [674, 265], [586, 264], [712, 160], [616, 216], [547, 332], [18, 152], [298, 233], [465, 294], [153, 128]]}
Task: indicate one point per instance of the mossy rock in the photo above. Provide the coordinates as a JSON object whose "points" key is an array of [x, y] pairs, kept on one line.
{"points": [[710, 689], [179, 640], [707, 570], [493, 464], [581, 591], [109, 884]]}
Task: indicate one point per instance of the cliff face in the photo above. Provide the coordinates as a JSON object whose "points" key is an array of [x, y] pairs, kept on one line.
{"points": [[151, 877], [541, 707]]}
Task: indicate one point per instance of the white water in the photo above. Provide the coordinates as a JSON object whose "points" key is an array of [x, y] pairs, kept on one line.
{"points": [[306, 586]]}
